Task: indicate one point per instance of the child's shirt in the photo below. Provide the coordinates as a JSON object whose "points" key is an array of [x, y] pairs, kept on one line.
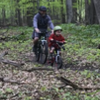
{"points": [[55, 37]]}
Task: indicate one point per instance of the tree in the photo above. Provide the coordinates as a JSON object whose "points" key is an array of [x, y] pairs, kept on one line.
{"points": [[69, 10], [18, 14], [90, 13], [97, 8], [74, 18], [62, 12]]}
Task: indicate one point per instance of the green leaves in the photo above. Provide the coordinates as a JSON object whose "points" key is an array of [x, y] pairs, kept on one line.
{"points": [[82, 42]]}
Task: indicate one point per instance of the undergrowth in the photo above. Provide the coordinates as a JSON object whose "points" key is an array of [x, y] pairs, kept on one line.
{"points": [[81, 50]]}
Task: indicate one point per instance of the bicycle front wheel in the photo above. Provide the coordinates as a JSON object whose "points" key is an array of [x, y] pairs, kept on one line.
{"points": [[44, 53], [37, 53], [58, 63]]}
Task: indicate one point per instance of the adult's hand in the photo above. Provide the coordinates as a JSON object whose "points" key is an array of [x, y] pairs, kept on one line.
{"points": [[37, 30], [52, 31]]}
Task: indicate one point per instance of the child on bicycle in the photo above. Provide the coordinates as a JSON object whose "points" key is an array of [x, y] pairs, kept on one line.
{"points": [[56, 36]]}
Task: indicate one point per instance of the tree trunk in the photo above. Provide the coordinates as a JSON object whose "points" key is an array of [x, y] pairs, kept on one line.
{"points": [[69, 10], [18, 15], [29, 16], [87, 18], [37, 3], [74, 19], [97, 8], [3, 16], [93, 17], [62, 12]]}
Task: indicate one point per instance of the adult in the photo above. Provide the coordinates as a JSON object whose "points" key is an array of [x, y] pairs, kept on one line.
{"points": [[41, 22]]}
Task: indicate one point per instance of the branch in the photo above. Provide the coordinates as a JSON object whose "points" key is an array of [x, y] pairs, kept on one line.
{"points": [[9, 81], [74, 86], [6, 61], [14, 63], [43, 68]]}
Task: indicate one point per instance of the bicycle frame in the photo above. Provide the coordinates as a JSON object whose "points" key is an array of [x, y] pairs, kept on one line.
{"points": [[43, 40], [56, 57]]}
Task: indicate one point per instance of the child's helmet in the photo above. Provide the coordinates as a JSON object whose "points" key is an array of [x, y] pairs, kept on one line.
{"points": [[57, 28]]}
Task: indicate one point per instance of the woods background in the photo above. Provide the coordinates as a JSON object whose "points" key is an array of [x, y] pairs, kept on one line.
{"points": [[21, 12]]}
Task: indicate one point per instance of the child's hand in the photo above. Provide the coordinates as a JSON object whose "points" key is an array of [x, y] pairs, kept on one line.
{"points": [[64, 42], [51, 39]]}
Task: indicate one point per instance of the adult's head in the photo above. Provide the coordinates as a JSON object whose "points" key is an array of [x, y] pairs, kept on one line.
{"points": [[42, 10], [57, 30]]}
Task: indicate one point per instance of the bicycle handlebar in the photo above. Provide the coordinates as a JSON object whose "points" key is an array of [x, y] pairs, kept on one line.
{"points": [[44, 32], [59, 43]]}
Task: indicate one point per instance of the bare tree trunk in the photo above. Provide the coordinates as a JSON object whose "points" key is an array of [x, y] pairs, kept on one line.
{"points": [[97, 8], [3, 16], [74, 19], [79, 10], [62, 12], [37, 3], [69, 11], [29, 16], [18, 15], [90, 13], [93, 17], [87, 12]]}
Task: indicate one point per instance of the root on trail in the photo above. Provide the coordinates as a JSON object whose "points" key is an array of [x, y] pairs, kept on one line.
{"points": [[43, 68], [74, 86], [7, 80], [6, 61]]}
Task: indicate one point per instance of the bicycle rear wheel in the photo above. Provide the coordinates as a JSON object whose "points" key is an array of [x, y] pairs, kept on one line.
{"points": [[44, 53], [58, 64]]}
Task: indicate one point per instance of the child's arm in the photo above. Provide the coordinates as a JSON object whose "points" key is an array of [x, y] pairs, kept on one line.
{"points": [[51, 37], [62, 39]]}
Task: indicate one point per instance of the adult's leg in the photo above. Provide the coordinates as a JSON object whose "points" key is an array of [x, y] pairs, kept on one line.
{"points": [[35, 40]]}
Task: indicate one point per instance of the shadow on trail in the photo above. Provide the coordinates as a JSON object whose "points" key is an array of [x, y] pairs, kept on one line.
{"points": [[71, 66], [82, 68]]}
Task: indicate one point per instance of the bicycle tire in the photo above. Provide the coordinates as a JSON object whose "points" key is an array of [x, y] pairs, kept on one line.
{"points": [[58, 64], [37, 53], [43, 53]]}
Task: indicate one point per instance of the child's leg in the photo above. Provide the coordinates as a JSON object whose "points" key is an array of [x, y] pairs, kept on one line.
{"points": [[52, 50]]}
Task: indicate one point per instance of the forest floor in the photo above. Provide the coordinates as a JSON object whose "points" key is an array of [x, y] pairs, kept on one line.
{"points": [[21, 78]]}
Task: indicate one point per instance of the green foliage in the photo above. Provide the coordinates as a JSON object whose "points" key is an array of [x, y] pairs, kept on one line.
{"points": [[28, 98], [82, 42], [81, 49], [9, 90], [23, 33]]}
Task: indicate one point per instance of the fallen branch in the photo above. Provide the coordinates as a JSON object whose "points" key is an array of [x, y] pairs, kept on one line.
{"points": [[6, 61], [9, 81], [74, 86], [43, 68], [14, 63], [3, 98]]}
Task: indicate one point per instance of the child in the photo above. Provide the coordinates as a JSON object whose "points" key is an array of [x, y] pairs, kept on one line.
{"points": [[55, 36]]}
